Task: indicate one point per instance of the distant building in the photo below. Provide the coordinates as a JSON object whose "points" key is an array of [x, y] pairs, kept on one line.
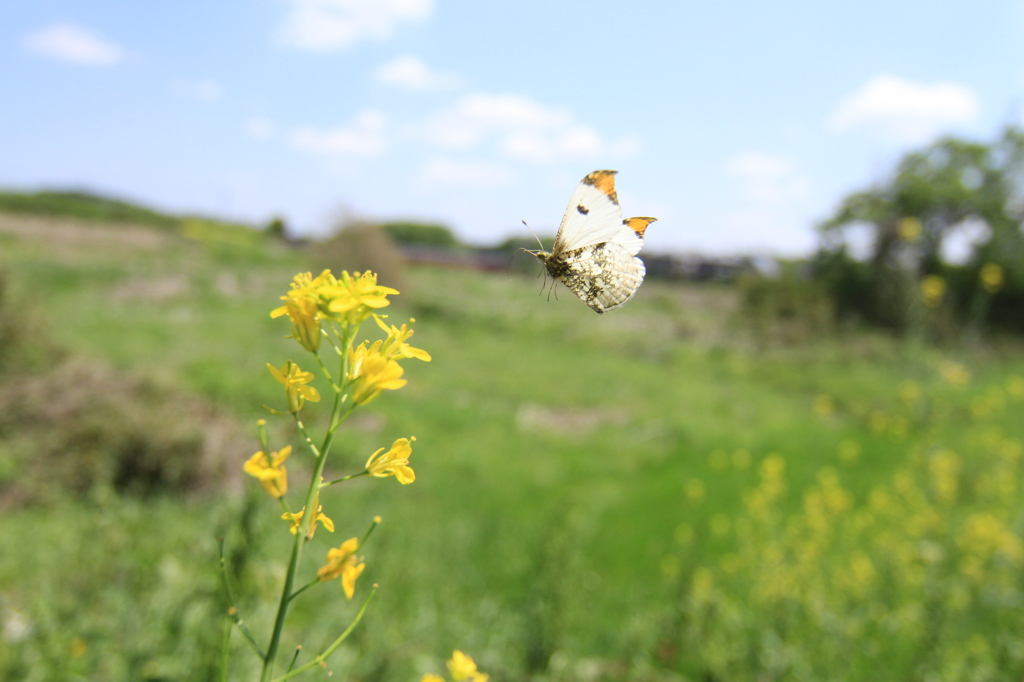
{"points": [[696, 268], [690, 267]]}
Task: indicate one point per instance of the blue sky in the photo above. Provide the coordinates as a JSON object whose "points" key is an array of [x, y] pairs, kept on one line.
{"points": [[737, 124]]}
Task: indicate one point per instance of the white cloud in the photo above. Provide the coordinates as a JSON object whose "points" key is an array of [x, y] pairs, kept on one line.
{"points": [[324, 25], [259, 128], [523, 129], [905, 111], [74, 44], [769, 179], [410, 73], [365, 137], [443, 171], [204, 89]]}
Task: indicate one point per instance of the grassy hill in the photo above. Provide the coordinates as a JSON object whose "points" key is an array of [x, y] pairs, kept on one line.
{"points": [[649, 494]]}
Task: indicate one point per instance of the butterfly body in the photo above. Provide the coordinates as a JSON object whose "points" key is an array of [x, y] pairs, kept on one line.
{"points": [[594, 254]]}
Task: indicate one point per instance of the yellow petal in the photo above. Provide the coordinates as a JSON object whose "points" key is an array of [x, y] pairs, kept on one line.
{"points": [[405, 474]]}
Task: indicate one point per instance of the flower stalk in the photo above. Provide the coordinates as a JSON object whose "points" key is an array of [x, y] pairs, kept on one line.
{"points": [[328, 311]]}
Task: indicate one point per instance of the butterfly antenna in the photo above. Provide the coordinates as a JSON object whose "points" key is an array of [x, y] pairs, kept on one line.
{"points": [[535, 236], [508, 268]]}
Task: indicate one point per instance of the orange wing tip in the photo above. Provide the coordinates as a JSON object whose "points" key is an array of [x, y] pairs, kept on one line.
{"points": [[604, 180], [638, 225]]}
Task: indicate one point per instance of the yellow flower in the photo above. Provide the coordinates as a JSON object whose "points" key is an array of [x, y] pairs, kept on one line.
{"points": [[394, 462], [431, 678], [991, 277], [296, 518], [372, 373], [462, 667], [824, 405], [395, 345], [954, 372], [933, 288], [270, 472], [353, 298], [910, 229], [293, 380], [342, 562], [305, 316]]}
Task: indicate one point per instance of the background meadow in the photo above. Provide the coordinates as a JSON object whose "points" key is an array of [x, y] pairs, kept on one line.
{"points": [[666, 492], [795, 455]]}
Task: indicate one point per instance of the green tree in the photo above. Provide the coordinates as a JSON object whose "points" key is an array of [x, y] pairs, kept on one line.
{"points": [[933, 193]]}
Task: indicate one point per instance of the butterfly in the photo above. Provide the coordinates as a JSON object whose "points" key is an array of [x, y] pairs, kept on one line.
{"points": [[594, 254]]}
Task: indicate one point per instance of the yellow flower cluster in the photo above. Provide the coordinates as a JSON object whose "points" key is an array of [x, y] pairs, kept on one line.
{"points": [[294, 381], [870, 568], [270, 471], [933, 288], [910, 229], [296, 519], [394, 462], [350, 299], [462, 668], [992, 278], [373, 368], [343, 563]]}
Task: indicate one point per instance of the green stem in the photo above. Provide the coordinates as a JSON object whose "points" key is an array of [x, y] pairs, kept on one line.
{"points": [[334, 645], [305, 587], [309, 441], [308, 518], [298, 650], [282, 609], [232, 607], [326, 372], [224, 651], [369, 531], [344, 478]]}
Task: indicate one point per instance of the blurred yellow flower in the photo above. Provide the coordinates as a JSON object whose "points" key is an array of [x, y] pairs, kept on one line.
{"points": [[718, 460], [342, 562], [933, 288], [703, 583], [910, 392], [899, 426], [305, 316], [683, 534], [670, 566], [353, 298], [695, 491], [991, 277], [294, 379], [270, 472], [1015, 386], [395, 346], [944, 468], [462, 667], [296, 519], [78, 648], [910, 229], [849, 450], [394, 462], [720, 524], [824, 405], [954, 372], [431, 678], [372, 373]]}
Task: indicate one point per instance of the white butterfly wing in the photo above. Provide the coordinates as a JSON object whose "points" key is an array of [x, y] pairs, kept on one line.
{"points": [[605, 276], [595, 249], [593, 215]]}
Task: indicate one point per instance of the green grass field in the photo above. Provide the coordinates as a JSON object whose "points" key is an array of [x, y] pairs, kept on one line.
{"points": [[646, 495]]}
